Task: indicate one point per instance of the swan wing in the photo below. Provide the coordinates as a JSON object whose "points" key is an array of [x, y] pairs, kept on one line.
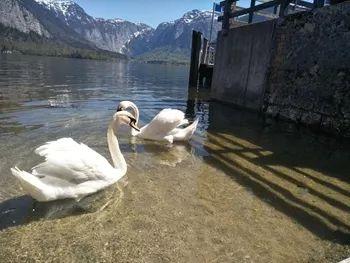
{"points": [[163, 123], [71, 162], [184, 134]]}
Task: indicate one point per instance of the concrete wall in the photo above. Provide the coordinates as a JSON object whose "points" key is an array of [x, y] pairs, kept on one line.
{"points": [[241, 63], [309, 80], [297, 68]]}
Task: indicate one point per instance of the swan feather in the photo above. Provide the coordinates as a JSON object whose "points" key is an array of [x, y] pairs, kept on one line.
{"points": [[71, 161], [163, 123]]}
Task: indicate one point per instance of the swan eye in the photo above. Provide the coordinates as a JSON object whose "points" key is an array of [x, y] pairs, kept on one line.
{"points": [[120, 108]]}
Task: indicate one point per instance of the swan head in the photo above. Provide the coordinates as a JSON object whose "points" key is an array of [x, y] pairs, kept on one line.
{"points": [[126, 118], [123, 105]]}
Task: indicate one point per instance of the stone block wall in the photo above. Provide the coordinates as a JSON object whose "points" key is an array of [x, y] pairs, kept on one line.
{"points": [[309, 76]]}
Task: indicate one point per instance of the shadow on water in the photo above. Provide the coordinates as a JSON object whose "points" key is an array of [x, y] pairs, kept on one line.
{"points": [[24, 209], [301, 175]]}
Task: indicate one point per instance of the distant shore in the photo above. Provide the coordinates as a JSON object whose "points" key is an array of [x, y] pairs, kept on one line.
{"points": [[65, 53], [162, 62], [126, 59]]}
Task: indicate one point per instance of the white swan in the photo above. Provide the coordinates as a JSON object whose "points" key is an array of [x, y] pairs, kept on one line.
{"points": [[73, 170], [165, 126]]}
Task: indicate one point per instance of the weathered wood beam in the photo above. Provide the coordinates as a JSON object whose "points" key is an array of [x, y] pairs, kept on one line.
{"points": [[305, 4], [222, 3], [251, 14], [318, 3], [321, 3], [195, 57], [255, 8], [227, 16], [204, 53], [283, 7], [274, 3]]}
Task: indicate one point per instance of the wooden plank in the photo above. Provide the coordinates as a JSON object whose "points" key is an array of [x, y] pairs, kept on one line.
{"points": [[204, 53]]}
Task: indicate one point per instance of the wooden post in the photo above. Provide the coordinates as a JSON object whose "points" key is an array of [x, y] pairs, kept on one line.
{"points": [[227, 15], [318, 3], [204, 51], [275, 9], [283, 7], [251, 14], [191, 102], [195, 58], [295, 3]]}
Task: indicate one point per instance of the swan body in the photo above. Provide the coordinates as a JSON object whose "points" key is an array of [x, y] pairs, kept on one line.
{"points": [[165, 126], [73, 170]]}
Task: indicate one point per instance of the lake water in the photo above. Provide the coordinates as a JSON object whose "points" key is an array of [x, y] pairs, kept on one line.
{"points": [[244, 189]]}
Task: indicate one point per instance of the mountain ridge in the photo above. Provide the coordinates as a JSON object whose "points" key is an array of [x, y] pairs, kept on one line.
{"points": [[174, 35], [106, 34], [65, 22]]}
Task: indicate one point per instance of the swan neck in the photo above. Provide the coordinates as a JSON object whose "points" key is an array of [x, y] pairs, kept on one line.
{"points": [[113, 146], [137, 116], [136, 113]]}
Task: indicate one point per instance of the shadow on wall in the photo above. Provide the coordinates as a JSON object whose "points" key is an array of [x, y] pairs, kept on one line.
{"points": [[301, 175]]}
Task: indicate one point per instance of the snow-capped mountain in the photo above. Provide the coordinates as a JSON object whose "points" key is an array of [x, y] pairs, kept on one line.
{"points": [[65, 7], [110, 34], [28, 16], [130, 38], [113, 34], [176, 34], [64, 22]]}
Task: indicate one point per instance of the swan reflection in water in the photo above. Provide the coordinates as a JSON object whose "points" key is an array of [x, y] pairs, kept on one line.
{"points": [[160, 153], [24, 209]]}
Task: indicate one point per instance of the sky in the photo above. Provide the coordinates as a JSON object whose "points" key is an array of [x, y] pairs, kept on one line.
{"points": [[151, 12]]}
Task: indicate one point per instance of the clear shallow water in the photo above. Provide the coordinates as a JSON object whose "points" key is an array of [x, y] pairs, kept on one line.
{"points": [[243, 190]]}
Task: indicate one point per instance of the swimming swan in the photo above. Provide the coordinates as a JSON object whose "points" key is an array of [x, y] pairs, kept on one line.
{"points": [[73, 170], [165, 126]]}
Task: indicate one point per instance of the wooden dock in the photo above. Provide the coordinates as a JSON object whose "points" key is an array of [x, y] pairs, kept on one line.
{"points": [[203, 52], [202, 61]]}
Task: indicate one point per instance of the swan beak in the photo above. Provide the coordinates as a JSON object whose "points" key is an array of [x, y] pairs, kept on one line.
{"points": [[133, 125]]}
